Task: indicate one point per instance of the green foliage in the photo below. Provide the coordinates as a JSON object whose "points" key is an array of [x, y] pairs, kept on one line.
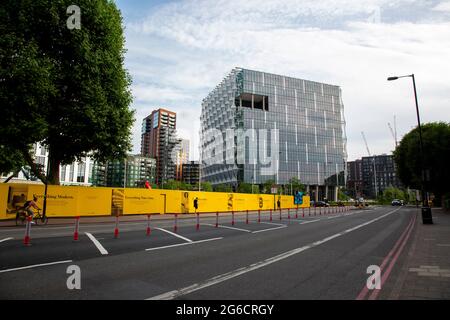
{"points": [[342, 196], [223, 188], [206, 186], [245, 188], [296, 185], [390, 194], [65, 88], [436, 151], [267, 186], [177, 185]]}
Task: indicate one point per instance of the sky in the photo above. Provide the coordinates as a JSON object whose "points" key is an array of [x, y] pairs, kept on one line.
{"points": [[178, 51]]}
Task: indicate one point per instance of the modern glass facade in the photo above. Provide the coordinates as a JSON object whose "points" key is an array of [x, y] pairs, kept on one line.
{"points": [[304, 132]]}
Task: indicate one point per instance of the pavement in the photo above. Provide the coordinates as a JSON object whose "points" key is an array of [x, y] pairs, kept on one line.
{"points": [[315, 257], [425, 271]]}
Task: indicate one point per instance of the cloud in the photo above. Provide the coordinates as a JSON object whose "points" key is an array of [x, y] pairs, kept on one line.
{"points": [[181, 51], [443, 6]]}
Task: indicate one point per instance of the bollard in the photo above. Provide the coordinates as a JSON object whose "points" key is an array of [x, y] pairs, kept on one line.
{"points": [[198, 222], [320, 211], [246, 218], [315, 210], [77, 226], [280, 214], [175, 223], [289, 214], [296, 213], [259, 215], [217, 219], [26, 239], [309, 210], [270, 214], [303, 212], [232, 217], [116, 230], [148, 225]]}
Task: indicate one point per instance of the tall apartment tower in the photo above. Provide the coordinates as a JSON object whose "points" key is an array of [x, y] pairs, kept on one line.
{"points": [[386, 175], [158, 140], [355, 178], [299, 123]]}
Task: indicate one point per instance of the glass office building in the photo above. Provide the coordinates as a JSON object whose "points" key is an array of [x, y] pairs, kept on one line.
{"points": [[298, 124]]}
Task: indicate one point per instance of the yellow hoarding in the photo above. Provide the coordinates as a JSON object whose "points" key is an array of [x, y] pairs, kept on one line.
{"points": [[70, 201]]}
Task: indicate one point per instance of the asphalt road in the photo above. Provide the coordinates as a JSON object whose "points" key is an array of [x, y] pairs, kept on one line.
{"points": [[315, 257]]}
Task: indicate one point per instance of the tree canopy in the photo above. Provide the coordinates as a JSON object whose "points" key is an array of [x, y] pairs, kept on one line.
{"points": [[436, 152], [65, 88]]}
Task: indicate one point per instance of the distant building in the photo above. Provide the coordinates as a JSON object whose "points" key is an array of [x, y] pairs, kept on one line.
{"points": [[184, 150], [158, 140], [182, 157], [131, 173], [386, 175], [354, 179], [190, 172], [76, 173], [88, 172]]}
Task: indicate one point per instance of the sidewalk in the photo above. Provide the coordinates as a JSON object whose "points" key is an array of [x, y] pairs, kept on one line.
{"points": [[425, 274]]}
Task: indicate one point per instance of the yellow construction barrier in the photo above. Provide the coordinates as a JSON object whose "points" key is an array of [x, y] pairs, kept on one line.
{"points": [[71, 201]]}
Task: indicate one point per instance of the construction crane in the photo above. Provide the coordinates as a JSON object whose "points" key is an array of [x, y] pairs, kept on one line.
{"points": [[374, 167], [394, 131]]}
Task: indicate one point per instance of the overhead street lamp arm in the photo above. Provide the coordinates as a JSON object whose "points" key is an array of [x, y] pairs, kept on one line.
{"points": [[396, 78]]}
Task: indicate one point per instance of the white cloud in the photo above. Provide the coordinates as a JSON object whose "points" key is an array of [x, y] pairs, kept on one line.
{"points": [[443, 6], [188, 47]]}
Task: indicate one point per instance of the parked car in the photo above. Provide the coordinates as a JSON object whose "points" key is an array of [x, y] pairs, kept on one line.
{"points": [[396, 202], [321, 204]]}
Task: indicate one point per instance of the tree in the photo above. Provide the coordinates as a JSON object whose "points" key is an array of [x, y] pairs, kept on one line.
{"points": [[223, 188], [436, 152], [390, 194], [65, 88], [296, 185], [172, 185], [342, 196], [244, 188], [206, 186], [268, 186]]}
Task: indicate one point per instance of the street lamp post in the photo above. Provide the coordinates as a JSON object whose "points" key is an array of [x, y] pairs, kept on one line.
{"points": [[426, 210]]}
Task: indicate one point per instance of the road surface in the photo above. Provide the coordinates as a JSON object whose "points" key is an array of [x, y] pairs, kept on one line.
{"points": [[322, 256]]}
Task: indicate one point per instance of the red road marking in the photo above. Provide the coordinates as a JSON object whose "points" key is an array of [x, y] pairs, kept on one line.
{"points": [[400, 242]]}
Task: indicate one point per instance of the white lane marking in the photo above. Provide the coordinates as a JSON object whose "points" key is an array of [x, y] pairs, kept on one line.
{"points": [[183, 244], [233, 274], [274, 224], [333, 217], [174, 234], [309, 221], [264, 230], [97, 243], [6, 239], [226, 227], [36, 266]]}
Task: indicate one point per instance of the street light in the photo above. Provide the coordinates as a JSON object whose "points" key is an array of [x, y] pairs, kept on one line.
{"points": [[426, 210]]}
